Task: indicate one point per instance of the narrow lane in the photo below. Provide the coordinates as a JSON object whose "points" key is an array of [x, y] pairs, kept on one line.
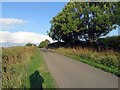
{"points": [[69, 73]]}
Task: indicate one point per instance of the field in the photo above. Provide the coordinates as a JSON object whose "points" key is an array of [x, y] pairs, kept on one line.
{"points": [[24, 67], [105, 60]]}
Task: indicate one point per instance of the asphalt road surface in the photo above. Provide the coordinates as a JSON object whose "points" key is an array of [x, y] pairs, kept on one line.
{"points": [[69, 73]]}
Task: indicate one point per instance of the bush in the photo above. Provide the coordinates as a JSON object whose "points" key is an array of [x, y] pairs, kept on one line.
{"points": [[44, 43], [30, 44], [111, 42]]}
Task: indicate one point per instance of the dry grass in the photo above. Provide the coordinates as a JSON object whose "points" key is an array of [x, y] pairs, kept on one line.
{"points": [[19, 63], [13, 58], [108, 59], [16, 54]]}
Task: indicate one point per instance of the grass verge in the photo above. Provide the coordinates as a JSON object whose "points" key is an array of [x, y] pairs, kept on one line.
{"points": [[24, 67], [38, 64], [107, 61]]}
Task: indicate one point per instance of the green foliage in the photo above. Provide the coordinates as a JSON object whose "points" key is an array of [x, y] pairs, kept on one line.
{"points": [[106, 60], [44, 43], [30, 44], [19, 63], [87, 21], [37, 63], [111, 42], [14, 61]]}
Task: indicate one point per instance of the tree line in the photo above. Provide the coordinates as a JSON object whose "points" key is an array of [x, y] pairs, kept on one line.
{"points": [[86, 21], [41, 44]]}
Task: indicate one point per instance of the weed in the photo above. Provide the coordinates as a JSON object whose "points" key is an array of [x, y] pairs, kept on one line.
{"points": [[106, 60]]}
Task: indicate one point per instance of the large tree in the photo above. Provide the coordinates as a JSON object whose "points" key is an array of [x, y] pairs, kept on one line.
{"points": [[88, 21]]}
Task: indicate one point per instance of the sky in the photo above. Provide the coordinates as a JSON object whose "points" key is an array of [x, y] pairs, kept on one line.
{"points": [[24, 22], [36, 15]]}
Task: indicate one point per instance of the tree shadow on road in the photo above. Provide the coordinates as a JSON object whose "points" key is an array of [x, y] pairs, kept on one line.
{"points": [[36, 81]]}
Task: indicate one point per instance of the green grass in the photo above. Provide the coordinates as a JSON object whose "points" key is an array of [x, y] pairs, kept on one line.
{"points": [[107, 61], [37, 64], [22, 65], [97, 65]]}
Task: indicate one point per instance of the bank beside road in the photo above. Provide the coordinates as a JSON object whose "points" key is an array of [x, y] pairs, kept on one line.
{"points": [[24, 67], [69, 73]]}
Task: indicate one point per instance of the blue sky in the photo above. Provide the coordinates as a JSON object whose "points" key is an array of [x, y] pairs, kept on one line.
{"points": [[27, 22], [24, 22], [37, 15]]}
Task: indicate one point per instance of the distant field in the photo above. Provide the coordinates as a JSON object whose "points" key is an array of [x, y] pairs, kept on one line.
{"points": [[105, 60], [24, 67]]}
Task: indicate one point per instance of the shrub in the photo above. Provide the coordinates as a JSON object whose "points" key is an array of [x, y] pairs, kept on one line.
{"points": [[30, 44], [44, 43], [111, 42]]}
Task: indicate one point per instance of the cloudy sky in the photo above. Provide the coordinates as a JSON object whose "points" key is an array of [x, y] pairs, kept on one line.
{"points": [[24, 22]]}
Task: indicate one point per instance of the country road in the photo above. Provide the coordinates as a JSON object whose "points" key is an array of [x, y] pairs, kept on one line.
{"points": [[69, 73]]}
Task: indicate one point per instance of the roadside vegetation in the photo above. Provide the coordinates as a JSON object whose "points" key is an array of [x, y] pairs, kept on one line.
{"points": [[105, 56], [44, 43], [24, 67], [105, 60], [79, 29], [30, 44]]}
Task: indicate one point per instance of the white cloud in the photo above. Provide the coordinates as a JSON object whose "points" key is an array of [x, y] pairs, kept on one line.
{"points": [[11, 21], [22, 37]]}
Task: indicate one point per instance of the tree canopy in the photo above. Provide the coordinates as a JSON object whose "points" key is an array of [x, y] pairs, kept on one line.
{"points": [[85, 21]]}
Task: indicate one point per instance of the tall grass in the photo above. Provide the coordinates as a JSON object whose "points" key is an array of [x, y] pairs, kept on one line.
{"points": [[19, 63], [14, 61], [106, 60]]}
